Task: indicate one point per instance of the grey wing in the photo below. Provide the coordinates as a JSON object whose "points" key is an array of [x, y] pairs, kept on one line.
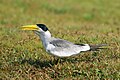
{"points": [[64, 48], [61, 43]]}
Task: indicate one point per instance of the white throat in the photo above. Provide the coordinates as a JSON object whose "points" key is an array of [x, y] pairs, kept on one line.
{"points": [[45, 37]]}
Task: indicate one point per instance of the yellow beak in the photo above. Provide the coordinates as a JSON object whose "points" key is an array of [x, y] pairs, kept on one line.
{"points": [[30, 27]]}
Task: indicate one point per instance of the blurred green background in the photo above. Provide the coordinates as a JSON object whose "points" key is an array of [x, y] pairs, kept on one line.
{"points": [[22, 55]]}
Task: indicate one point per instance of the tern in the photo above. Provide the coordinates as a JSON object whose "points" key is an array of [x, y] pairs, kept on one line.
{"points": [[59, 47]]}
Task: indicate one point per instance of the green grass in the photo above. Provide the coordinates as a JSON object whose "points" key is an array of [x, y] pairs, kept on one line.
{"points": [[22, 56]]}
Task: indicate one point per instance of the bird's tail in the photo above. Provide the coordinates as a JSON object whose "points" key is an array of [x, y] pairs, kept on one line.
{"points": [[97, 47]]}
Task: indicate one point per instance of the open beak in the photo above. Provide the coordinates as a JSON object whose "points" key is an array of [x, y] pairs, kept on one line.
{"points": [[30, 27]]}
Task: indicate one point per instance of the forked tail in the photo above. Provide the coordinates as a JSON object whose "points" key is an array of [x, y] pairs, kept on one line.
{"points": [[97, 47]]}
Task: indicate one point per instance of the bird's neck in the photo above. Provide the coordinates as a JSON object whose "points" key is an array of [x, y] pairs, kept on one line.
{"points": [[45, 37]]}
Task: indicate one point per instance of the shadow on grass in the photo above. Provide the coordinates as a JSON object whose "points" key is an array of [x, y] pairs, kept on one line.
{"points": [[45, 63], [50, 63], [40, 64]]}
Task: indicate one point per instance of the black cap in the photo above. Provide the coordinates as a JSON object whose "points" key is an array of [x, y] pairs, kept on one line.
{"points": [[42, 26]]}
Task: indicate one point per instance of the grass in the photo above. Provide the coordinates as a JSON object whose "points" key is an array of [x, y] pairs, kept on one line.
{"points": [[22, 56]]}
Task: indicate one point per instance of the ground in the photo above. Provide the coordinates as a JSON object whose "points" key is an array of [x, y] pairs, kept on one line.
{"points": [[22, 56]]}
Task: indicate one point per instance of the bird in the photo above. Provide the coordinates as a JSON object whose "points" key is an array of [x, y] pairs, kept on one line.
{"points": [[59, 47]]}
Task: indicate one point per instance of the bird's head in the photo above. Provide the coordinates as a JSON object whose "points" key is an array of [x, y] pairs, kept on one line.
{"points": [[38, 27]]}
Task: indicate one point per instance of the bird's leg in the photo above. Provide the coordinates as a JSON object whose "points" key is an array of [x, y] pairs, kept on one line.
{"points": [[61, 60], [58, 60], [54, 60], [64, 59]]}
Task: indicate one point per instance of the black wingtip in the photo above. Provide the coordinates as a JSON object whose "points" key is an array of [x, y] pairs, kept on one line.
{"points": [[97, 47]]}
